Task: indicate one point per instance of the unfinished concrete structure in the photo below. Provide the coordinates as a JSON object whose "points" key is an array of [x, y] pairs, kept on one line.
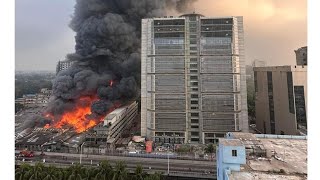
{"points": [[302, 56], [281, 99], [63, 65], [193, 84]]}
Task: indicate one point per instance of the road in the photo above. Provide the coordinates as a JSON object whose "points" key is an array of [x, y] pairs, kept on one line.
{"points": [[182, 167]]}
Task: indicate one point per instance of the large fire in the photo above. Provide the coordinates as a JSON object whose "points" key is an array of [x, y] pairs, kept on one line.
{"points": [[78, 117]]}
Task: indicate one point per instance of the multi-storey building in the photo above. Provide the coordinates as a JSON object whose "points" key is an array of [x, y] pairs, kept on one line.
{"points": [[302, 56], [63, 65], [281, 99], [193, 84]]}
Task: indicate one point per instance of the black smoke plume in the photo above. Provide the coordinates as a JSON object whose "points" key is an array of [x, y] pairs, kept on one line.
{"points": [[107, 49]]}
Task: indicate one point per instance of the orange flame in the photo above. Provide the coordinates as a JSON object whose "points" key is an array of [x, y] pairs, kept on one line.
{"points": [[77, 118], [47, 126]]}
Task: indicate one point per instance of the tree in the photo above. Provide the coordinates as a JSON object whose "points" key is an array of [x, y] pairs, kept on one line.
{"points": [[76, 172], [155, 176], [211, 148], [120, 172], [138, 173], [105, 171], [36, 172], [53, 173], [20, 172]]}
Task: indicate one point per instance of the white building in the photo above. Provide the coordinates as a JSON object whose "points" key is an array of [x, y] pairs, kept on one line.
{"points": [[113, 126]]}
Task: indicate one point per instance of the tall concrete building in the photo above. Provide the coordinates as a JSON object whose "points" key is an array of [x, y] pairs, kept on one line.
{"points": [[63, 65], [193, 84], [281, 99], [302, 56]]}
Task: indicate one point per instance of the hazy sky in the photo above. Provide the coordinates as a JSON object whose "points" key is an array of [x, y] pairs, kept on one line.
{"points": [[273, 29]]}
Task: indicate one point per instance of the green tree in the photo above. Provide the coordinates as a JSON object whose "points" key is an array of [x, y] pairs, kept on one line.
{"points": [[105, 171], [138, 173], [20, 172], [120, 172], [76, 172], [53, 173], [90, 173], [211, 148], [36, 172], [155, 176]]}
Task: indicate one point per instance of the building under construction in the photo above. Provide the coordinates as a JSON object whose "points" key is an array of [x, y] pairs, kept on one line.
{"points": [[193, 85]]}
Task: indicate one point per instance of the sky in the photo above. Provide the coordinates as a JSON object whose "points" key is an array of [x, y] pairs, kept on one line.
{"points": [[273, 29]]}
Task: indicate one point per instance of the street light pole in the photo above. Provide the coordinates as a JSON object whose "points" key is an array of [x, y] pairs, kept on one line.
{"points": [[168, 164], [81, 151]]}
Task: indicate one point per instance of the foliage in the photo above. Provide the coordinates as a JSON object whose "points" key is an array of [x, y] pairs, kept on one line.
{"points": [[78, 172], [18, 107], [251, 100], [184, 148], [211, 148], [31, 83]]}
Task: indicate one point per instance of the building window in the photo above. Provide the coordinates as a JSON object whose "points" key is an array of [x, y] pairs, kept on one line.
{"points": [[194, 95], [194, 83], [193, 60], [194, 114], [255, 82], [234, 153], [193, 48], [194, 133], [193, 77], [290, 92], [300, 107], [194, 121], [193, 65], [194, 102], [271, 103]]}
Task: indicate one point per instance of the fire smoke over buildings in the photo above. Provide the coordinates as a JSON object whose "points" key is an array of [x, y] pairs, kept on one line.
{"points": [[106, 69]]}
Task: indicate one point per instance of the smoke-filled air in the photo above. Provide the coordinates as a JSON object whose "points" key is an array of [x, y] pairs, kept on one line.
{"points": [[106, 69]]}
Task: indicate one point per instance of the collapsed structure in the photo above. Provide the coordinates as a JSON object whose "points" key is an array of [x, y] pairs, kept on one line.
{"points": [[104, 136]]}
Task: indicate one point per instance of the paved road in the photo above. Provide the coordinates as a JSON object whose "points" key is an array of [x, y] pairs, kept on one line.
{"points": [[200, 168]]}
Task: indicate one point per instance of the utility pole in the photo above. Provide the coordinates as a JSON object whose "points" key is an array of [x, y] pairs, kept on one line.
{"points": [[81, 151], [168, 165]]}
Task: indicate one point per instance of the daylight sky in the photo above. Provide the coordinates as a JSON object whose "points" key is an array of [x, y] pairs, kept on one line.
{"points": [[273, 29]]}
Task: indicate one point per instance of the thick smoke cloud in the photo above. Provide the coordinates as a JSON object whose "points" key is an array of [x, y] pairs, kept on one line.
{"points": [[107, 49]]}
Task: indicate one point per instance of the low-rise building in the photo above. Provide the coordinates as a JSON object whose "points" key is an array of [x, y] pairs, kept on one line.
{"points": [[33, 100], [246, 156], [109, 132]]}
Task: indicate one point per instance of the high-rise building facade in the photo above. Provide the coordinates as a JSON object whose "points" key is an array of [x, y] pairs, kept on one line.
{"points": [[193, 84], [63, 65], [281, 99]]}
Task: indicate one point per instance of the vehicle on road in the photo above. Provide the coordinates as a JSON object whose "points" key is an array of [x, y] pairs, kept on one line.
{"points": [[26, 153]]}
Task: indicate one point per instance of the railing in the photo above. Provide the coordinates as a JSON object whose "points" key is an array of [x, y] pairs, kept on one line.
{"points": [[273, 136]]}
